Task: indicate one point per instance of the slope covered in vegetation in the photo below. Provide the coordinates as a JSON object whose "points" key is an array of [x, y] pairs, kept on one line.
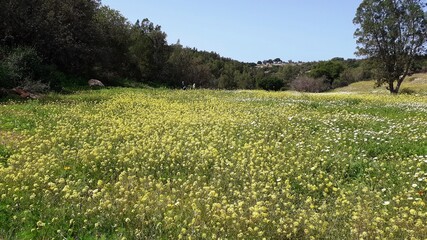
{"points": [[414, 84], [60, 45]]}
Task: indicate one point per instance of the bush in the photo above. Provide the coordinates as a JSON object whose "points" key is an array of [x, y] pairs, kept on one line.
{"points": [[34, 86], [3, 93], [20, 65], [352, 75], [308, 84], [340, 83], [5, 77], [407, 91], [58, 80], [268, 84]]}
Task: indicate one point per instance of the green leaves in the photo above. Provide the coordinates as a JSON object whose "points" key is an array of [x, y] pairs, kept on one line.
{"points": [[392, 33], [331, 70]]}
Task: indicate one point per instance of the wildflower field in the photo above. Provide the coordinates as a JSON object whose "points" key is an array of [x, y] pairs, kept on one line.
{"points": [[204, 164]]}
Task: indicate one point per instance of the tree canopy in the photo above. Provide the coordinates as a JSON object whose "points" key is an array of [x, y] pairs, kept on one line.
{"points": [[64, 43], [83, 39], [330, 70], [392, 33]]}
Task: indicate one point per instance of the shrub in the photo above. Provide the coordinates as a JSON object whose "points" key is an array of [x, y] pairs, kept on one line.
{"points": [[352, 75], [58, 80], [268, 84], [3, 93], [330, 70], [21, 64], [5, 77], [308, 84], [407, 91], [34, 86], [340, 83]]}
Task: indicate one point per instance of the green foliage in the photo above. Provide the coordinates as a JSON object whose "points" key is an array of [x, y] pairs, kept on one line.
{"points": [[113, 44], [148, 50], [392, 34], [20, 65], [407, 91], [289, 72], [4, 77], [54, 33], [351, 75], [419, 65], [207, 70], [189, 67], [330, 70], [64, 43], [273, 84], [245, 80], [227, 80], [4, 155], [78, 40], [63, 32], [81, 38]]}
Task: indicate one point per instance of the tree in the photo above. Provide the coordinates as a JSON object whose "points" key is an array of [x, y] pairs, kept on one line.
{"points": [[270, 83], [187, 66], [113, 43], [227, 78], [330, 70], [245, 80], [148, 51], [19, 65], [61, 31], [288, 73], [392, 33]]}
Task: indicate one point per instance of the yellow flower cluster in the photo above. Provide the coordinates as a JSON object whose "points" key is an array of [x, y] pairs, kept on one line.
{"points": [[220, 164]]}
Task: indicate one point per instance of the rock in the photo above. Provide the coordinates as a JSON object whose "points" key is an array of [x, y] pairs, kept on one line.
{"points": [[95, 83], [35, 96], [19, 91], [22, 93]]}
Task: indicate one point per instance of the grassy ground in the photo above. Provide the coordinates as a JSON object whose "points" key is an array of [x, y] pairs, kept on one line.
{"points": [[168, 164], [416, 84]]}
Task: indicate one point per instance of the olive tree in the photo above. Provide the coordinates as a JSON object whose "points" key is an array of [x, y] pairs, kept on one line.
{"points": [[391, 33]]}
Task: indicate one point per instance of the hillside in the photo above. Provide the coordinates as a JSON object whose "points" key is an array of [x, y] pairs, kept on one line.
{"points": [[417, 83]]}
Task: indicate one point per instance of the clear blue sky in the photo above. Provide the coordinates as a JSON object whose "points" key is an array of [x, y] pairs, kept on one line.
{"points": [[252, 30]]}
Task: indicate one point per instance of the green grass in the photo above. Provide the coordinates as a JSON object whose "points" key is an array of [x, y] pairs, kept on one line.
{"points": [[4, 155], [170, 164]]}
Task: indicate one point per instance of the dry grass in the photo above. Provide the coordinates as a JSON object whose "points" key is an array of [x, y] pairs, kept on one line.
{"points": [[416, 83]]}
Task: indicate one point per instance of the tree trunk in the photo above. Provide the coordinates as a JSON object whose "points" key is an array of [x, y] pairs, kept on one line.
{"points": [[399, 82], [403, 76], [391, 87]]}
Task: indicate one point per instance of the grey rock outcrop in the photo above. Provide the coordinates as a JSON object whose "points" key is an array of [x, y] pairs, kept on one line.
{"points": [[95, 83]]}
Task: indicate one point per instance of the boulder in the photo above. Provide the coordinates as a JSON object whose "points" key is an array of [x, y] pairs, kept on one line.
{"points": [[95, 83], [21, 92]]}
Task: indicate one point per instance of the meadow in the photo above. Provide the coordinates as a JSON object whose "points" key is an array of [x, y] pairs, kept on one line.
{"points": [[205, 164]]}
